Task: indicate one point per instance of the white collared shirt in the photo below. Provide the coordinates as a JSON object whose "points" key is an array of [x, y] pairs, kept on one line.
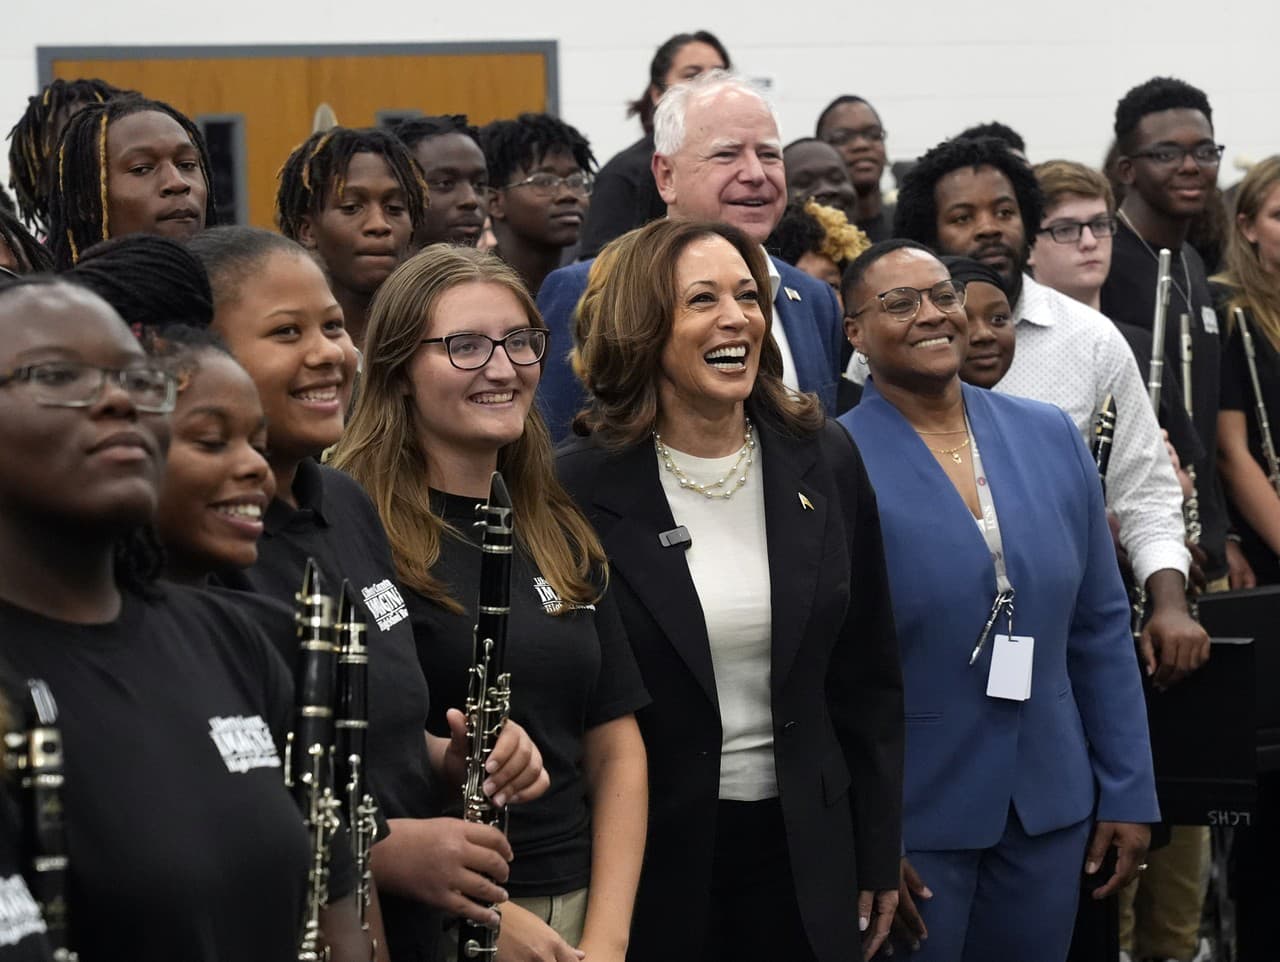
{"points": [[789, 377], [1070, 355]]}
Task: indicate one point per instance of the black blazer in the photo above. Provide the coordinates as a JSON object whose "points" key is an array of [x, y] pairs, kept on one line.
{"points": [[836, 683]]}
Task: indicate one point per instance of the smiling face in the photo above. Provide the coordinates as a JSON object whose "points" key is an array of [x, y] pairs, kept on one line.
{"points": [[286, 329], [979, 217], [992, 335], [537, 217], [217, 482], [457, 177], [1076, 269], [729, 168], [925, 352], [712, 355], [1180, 189], [856, 129], [154, 181], [362, 234], [463, 415], [97, 467]]}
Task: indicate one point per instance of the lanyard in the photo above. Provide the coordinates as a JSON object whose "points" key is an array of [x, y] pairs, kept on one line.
{"points": [[1003, 602]]}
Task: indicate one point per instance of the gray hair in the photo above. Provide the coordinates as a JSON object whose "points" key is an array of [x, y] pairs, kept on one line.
{"points": [[669, 116]]}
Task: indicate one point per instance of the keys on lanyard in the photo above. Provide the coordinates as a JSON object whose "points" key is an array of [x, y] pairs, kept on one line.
{"points": [[1003, 603]]}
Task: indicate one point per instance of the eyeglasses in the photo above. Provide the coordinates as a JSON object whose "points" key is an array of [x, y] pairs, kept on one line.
{"points": [[1069, 231], [903, 303], [470, 352], [1165, 155], [548, 185], [846, 135], [72, 384]]}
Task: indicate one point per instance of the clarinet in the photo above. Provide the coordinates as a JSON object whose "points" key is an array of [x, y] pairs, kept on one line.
{"points": [[489, 687], [1264, 424], [350, 737], [1191, 509], [34, 755], [1155, 382], [1104, 432], [308, 760]]}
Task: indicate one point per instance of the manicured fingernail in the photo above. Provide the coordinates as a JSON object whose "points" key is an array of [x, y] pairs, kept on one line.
{"points": [[1090, 868], [926, 892], [863, 923]]}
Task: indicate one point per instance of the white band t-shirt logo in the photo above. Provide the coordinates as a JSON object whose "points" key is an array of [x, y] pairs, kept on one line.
{"points": [[19, 914], [385, 603], [245, 743], [550, 598]]}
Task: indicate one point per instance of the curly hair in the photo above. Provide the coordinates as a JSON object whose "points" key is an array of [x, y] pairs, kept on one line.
{"points": [[1157, 94], [811, 228], [521, 143], [917, 213], [995, 129]]}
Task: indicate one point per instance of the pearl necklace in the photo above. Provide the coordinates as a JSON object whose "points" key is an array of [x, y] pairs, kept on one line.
{"points": [[746, 455]]}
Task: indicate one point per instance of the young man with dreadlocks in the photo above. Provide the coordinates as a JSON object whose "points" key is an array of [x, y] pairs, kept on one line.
{"points": [[127, 166], [447, 149], [354, 198], [20, 253], [541, 170], [34, 138]]}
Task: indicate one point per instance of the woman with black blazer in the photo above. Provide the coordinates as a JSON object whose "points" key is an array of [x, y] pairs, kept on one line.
{"points": [[746, 559]]}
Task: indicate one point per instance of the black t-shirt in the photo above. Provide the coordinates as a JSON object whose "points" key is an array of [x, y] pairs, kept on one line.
{"points": [[880, 227], [337, 524], [569, 673], [22, 930], [1238, 395], [183, 841], [1128, 297], [623, 198], [1172, 415]]}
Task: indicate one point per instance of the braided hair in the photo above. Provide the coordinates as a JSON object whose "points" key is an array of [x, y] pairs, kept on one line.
{"points": [[78, 199], [317, 169], [153, 283], [33, 257], [521, 143], [35, 136]]}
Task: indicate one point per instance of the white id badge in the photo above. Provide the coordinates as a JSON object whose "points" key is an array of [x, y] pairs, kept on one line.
{"points": [[1209, 317], [1011, 667]]}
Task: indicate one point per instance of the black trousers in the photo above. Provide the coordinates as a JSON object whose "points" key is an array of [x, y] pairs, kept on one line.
{"points": [[754, 913]]}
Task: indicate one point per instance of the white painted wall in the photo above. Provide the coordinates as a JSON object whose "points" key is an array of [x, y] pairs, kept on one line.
{"points": [[1052, 70]]}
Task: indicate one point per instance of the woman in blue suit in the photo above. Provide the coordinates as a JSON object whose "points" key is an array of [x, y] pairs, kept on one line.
{"points": [[1026, 729]]}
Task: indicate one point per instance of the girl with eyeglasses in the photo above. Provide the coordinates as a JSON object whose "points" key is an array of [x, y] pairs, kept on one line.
{"points": [[454, 355], [183, 841]]}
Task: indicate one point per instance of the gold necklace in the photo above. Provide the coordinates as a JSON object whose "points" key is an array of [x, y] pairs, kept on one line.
{"points": [[943, 433], [954, 453], [746, 455]]}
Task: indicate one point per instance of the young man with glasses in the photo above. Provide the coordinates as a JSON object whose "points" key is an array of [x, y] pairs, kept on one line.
{"points": [[1167, 160], [540, 170], [852, 126], [1071, 251]]}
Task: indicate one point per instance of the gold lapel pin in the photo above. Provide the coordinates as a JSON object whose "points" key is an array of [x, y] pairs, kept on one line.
{"points": [[792, 293], [805, 502]]}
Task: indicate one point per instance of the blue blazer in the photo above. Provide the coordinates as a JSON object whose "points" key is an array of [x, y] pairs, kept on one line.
{"points": [[813, 324], [1080, 743]]}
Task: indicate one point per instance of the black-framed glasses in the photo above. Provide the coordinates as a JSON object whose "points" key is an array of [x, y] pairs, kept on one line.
{"points": [[873, 134], [1069, 231], [469, 351], [548, 185], [1206, 155], [74, 384], [903, 303]]}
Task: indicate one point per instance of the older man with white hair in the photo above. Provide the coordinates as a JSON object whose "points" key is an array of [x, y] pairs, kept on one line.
{"points": [[717, 157]]}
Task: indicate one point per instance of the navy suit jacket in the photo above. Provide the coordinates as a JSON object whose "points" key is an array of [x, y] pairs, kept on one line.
{"points": [[1080, 742], [813, 324]]}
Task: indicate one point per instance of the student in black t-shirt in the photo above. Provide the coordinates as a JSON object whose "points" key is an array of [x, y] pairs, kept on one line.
{"points": [[283, 324], [455, 345], [183, 840]]}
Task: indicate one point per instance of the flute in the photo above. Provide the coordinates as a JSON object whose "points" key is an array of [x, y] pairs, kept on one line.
{"points": [[1191, 508], [308, 760], [34, 755], [1264, 424], [1164, 282], [1104, 432], [350, 740], [489, 687]]}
